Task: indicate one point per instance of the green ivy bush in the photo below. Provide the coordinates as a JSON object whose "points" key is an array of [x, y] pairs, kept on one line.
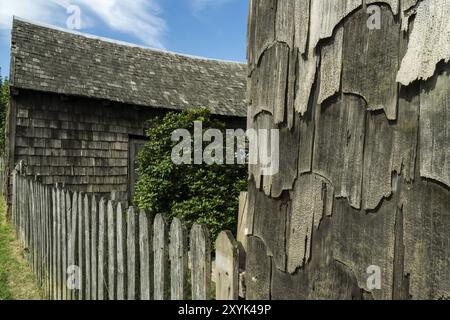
{"points": [[207, 194]]}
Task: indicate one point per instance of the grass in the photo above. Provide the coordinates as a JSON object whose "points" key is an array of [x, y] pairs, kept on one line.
{"points": [[17, 282]]}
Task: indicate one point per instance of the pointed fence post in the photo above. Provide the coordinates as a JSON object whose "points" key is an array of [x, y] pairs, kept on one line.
{"points": [[145, 256], [178, 259], [161, 259], [227, 267], [200, 246], [121, 236], [132, 255]]}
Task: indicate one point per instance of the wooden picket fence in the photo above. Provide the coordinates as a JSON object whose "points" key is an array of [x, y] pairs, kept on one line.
{"points": [[81, 248]]}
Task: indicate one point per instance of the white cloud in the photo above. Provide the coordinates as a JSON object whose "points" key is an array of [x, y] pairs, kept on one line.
{"points": [[138, 18]]}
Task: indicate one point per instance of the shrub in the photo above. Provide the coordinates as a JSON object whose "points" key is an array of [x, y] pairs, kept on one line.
{"points": [[207, 194]]}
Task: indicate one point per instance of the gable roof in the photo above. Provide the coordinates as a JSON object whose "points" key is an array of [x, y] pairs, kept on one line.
{"points": [[52, 60]]}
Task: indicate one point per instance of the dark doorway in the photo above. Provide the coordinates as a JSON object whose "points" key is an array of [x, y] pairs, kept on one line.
{"points": [[134, 146]]}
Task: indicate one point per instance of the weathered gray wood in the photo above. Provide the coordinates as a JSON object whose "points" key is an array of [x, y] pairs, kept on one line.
{"points": [[54, 244], [268, 226], [390, 148], [312, 200], [94, 248], [270, 96], [145, 256], [373, 81], [257, 276], [200, 246], [178, 259], [59, 254], [102, 251], [121, 246], [261, 34], [64, 244], [74, 245], [69, 244], [339, 145], [429, 42], [227, 267], [331, 67], [81, 249], [161, 259], [87, 246], [434, 127], [132, 255], [112, 252], [245, 221]]}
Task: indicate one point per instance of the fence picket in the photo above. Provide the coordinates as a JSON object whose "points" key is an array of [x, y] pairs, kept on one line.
{"points": [[81, 249], [111, 252], [121, 254], [145, 256], [178, 259], [227, 267], [94, 248], [161, 259], [201, 262], [54, 245], [76, 285], [132, 255], [87, 247], [102, 251]]}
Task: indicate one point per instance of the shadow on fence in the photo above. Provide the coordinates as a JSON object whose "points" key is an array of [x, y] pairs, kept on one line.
{"points": [[84, 249]]}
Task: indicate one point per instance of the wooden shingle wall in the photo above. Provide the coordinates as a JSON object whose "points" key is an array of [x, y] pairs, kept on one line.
{"points": [[80, 143], [360, 207]]}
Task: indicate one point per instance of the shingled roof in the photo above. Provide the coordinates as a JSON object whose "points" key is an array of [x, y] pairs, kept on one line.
{"points": [[53, 60]]}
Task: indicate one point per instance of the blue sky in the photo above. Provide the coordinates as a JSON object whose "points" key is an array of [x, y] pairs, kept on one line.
{"points": [[208, 28]]}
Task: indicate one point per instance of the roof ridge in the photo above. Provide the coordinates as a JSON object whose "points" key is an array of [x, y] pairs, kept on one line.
{"points": [[123, 43]]}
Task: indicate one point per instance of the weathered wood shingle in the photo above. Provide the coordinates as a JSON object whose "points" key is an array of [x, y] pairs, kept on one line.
{"points": [[52, 60]]}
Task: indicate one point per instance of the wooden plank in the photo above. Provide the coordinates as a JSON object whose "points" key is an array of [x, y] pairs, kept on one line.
{"points": [[81, 249], [63, 244], [325, 15], [121, 246], [87, 246], [161, 259], [178, 259], [201, 262], [434, 127], [257, 276], [132, 255], [74, 245], [312, 199], [429, 43], [69, 246], [339, 146], [390, 148], [268, 226], [227, 267], [94, 248], [59, 242], [54, 244], [145, 256], [102, 251], [373, 81], [112, 252], [331, 67]]}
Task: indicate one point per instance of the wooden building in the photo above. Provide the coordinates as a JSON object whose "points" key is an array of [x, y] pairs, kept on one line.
{"points": [[80, 104]]}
